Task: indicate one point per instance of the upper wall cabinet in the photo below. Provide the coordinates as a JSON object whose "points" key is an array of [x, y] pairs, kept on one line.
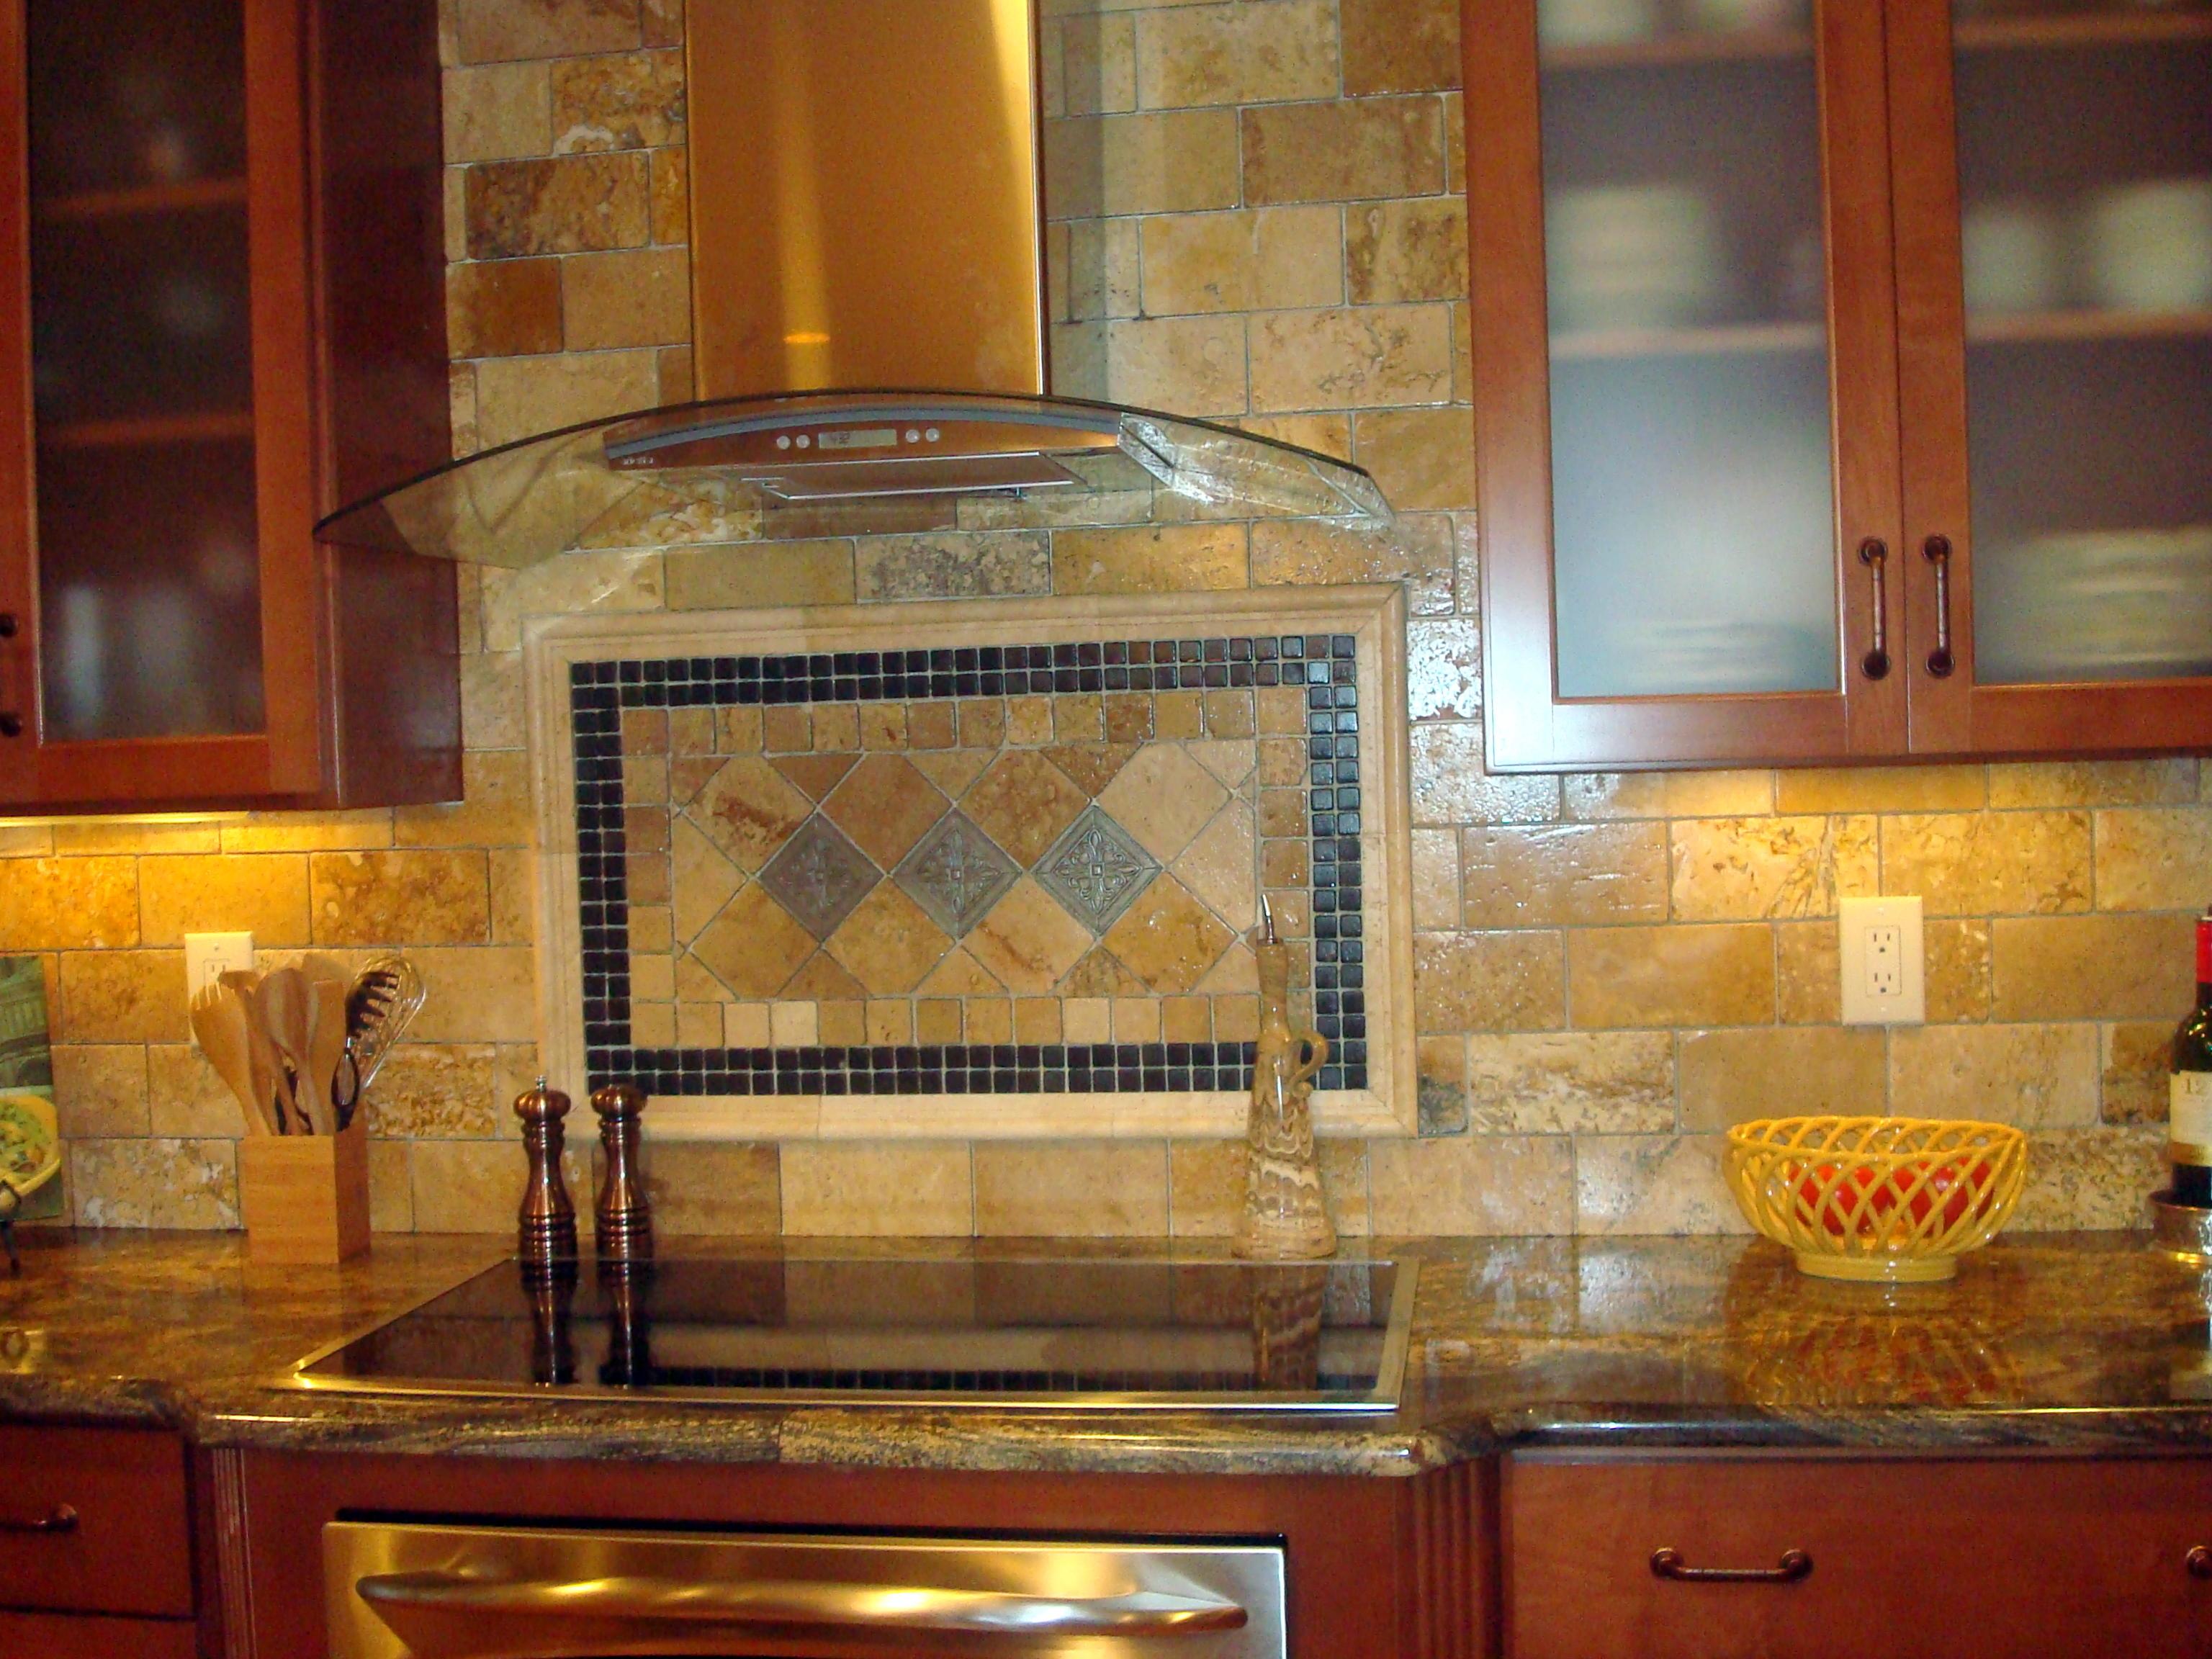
{"points": [[1842, 377], [220, 315]]}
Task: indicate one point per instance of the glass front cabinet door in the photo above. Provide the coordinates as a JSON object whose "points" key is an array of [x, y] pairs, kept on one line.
{"points": [[166, 620], [1842, 377]]}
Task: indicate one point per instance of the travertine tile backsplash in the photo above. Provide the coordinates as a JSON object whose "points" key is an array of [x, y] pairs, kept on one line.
{"points": [[1257, 220]]}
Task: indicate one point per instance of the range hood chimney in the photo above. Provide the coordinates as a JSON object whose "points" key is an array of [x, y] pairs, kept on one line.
{"points": [[866, 212]]}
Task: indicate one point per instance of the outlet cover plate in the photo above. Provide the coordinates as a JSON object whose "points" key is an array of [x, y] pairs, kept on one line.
{"points": [[207, 956], [1884, 965]]}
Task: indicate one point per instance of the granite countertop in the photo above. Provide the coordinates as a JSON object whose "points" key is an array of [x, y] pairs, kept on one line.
{"points": [[2084, 1342]]}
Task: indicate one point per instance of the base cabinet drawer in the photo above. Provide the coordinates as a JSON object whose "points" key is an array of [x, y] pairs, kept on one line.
{"points": [[80, 1636], [95, 1521], [1806, 1558]]}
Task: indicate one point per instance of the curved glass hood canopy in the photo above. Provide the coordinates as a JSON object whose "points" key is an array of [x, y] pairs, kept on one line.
{"points": [[850, 463]]}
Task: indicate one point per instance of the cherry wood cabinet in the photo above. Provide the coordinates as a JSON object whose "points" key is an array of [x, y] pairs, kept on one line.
{"points": [[1375, 1567], [95, 1545], [1843, 378], [1815, 1556], [220, 317]]}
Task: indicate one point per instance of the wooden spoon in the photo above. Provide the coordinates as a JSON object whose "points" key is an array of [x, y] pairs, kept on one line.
{"points": [[286, 1005], [219, 1022], [325, 1048], [267, 1073]]}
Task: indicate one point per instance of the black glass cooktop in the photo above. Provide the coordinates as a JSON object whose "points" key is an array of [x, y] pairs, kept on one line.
{"points": [[1062, 1334]]}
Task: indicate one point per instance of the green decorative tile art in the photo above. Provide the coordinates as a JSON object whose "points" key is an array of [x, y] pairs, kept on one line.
{"points": [[30, 1146]]}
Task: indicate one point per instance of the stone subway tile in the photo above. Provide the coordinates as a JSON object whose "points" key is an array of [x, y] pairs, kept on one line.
{"points": [[156, 1183], [2166, 781], [1556, 875], [1101, 265], [633, 298], [495, 808], [1628, 1184], [523, 396], [73, 904], [2039, 1077], [1981, 863], [1488, 983], [1344, 150], [2093, 1179], [503, 308], [561, 204], [1397, 251], [1423, 458], [1881, 789], [498, 113], [954, 564], [1709, 974], [486, 994], [1450, 786], [715, 1188], [1484, 1186], [1152, 559], [2154, 859], [100, 1091], [1417, 549], [1194, 365], [1734, 1075], [437, 1092], [2133, 1087], [2099, 967], [1398, 45], [1275, 258], [470, 1186], [497, 29], [1743, 869], [1956, 970], [1176, 161], [1071, 1190], [848, 1188], [412, 897], [1571, 1082], [1599, 796], [631, 101], [669, 186], [119, 996], [186, 1098], [1435, 878], [1201, 55], [1357, 357], [1098, 61]]}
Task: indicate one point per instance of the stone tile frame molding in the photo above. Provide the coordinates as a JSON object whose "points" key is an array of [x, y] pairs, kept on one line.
{"points": [[1372, 615]]}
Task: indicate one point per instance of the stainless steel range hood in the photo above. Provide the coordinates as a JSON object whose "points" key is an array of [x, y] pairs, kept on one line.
{"points": [[866, 211]]}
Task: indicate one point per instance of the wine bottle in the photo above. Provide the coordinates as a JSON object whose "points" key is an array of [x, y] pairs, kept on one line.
{"points": [[2188, 1116]]}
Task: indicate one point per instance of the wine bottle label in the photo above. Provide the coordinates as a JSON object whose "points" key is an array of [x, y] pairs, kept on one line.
{"points": [[2189, 1112]]}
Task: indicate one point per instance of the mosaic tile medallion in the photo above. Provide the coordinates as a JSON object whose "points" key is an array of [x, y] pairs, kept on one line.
{"points": [[1095, 870], [1002, 856]]}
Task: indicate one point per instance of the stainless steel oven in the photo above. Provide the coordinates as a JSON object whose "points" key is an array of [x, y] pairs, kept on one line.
{"points": [[408, 1591]]}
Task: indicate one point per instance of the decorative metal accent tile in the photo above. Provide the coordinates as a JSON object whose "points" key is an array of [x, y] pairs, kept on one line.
{"points": [[1096, 870], [819, 876], [1305, 826], [956, 874]]}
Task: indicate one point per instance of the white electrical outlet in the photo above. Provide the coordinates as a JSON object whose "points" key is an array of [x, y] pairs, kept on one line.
{"points": [[1884, 974], [209, 956]]}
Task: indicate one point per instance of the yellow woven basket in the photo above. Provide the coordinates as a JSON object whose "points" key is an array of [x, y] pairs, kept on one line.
{"points": [[1898, 1200]]}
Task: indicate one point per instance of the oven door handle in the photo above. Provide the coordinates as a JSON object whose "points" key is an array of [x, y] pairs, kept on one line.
{"points": [[806, 1605]]}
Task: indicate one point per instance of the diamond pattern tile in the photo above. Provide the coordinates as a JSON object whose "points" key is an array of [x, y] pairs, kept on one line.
{"points": [[819, 875], [956, 874], [1096, 869]]}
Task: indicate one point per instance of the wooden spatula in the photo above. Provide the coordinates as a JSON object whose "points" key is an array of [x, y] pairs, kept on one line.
{"points": [[325, 1048], [286, 1005], [219, 1022]]}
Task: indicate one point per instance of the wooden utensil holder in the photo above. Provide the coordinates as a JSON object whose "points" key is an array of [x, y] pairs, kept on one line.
{"points": [[305, 1197]]}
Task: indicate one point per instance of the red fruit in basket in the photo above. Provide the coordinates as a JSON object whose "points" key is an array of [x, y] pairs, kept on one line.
{"points": [[1959, 1185], [1834, 1202]]}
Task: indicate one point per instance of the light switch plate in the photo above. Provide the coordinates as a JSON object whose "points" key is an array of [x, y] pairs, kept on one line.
{"points": [[1883, 969], [209, 956]]}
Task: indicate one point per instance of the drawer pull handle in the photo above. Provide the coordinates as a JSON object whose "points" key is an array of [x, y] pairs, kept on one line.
{"points": [[1795, 1565], [60, 1518], [2199, 1562]]}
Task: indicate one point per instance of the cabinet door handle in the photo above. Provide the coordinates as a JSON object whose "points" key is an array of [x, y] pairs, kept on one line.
{"points": [[11, 722], [60, 1518], [2199, 1562], [1793, 1565], [1875, 554], [1936, 550]]}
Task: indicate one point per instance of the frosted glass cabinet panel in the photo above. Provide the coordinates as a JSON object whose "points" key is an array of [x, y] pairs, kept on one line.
{"points": [[1693, 516], [2085, 183], [142, 362]]}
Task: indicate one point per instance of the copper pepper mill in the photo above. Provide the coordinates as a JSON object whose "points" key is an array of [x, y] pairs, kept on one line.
{"points": [[623, 1223], [546, 1227]]}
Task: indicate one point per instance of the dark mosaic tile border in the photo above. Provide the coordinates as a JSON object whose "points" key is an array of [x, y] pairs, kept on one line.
{"points": [[1325, 664]]}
